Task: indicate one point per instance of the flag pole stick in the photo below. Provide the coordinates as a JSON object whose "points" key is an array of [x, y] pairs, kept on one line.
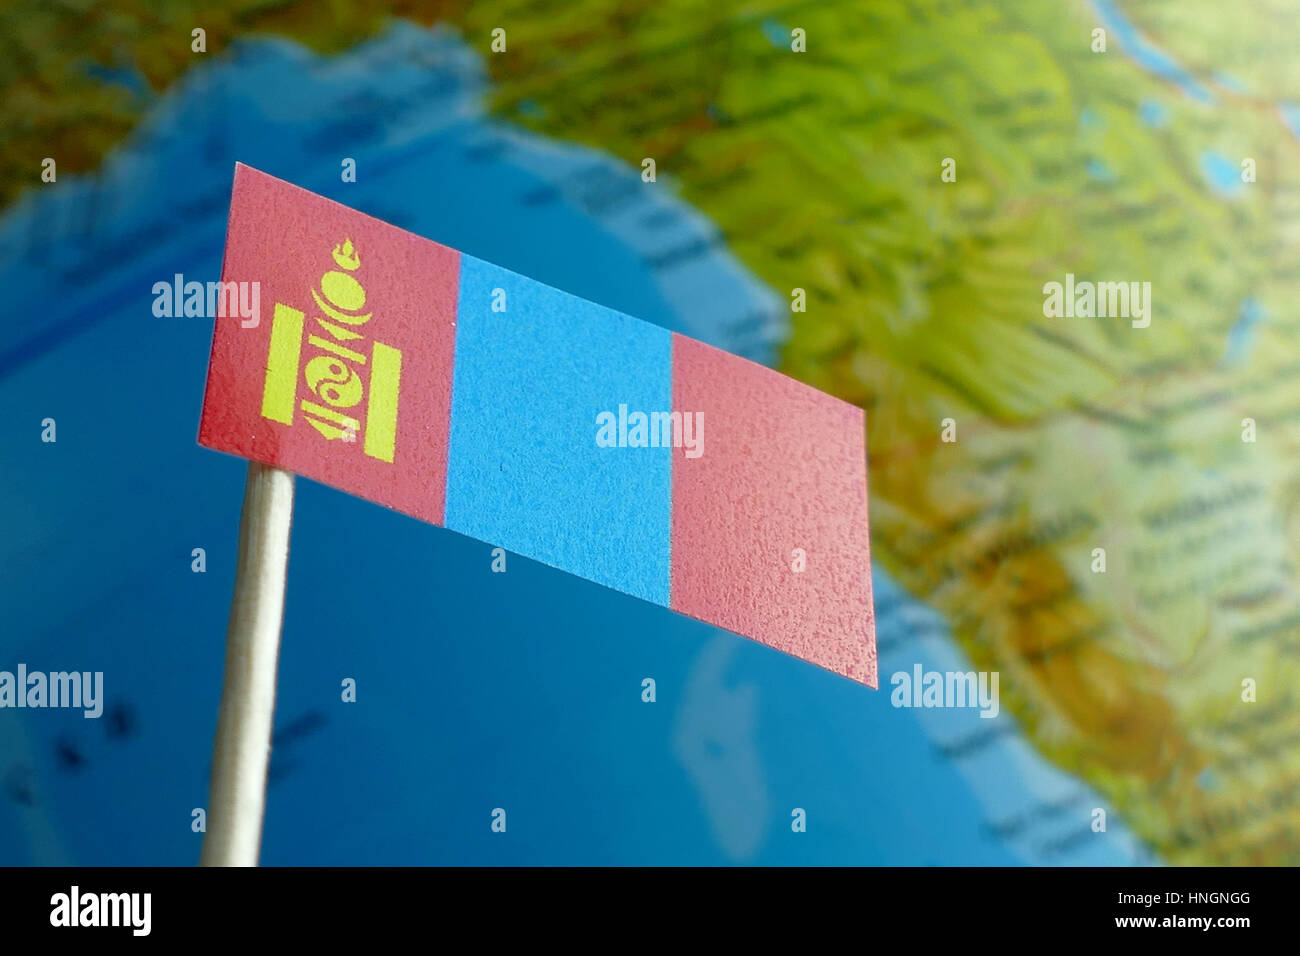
{"points": [[242, 748]]}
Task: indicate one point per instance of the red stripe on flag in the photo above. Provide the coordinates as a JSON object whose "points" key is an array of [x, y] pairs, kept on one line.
{"points": [[346, 377], [783, 468]]}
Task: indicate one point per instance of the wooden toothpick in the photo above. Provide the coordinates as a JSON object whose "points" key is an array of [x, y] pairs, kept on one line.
{"points": [[242, 748]]}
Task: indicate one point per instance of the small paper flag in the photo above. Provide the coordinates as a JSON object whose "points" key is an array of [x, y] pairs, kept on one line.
{"points": [[474, 398]]}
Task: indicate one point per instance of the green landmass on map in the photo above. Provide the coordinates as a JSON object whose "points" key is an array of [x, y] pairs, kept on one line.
{"points": [[821, 170]]}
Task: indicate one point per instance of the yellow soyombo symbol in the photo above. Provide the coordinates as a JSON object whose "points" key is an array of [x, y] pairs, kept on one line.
{"points": [[331, 373]]}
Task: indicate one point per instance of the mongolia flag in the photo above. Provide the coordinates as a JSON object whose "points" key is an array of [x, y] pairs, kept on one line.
{"points": [[474, 398]]}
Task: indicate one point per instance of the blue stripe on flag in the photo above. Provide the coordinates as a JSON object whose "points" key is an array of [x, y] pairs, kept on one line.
{"points": [[524, 471]]}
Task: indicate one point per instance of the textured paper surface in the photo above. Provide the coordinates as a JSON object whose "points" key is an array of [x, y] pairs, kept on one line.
{"points": [[284, 238], [384, 364]]}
